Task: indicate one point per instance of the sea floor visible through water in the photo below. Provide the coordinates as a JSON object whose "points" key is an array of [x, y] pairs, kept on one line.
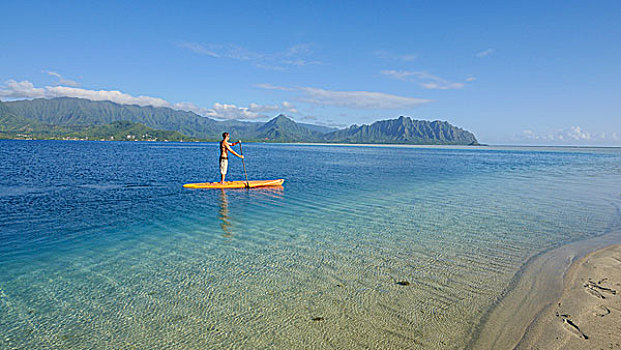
{"points": [[102, 247]]}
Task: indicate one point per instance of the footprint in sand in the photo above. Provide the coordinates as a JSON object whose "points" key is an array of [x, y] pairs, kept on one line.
{"points": [[594, 292], [596, 289], [572, 327], [601, 311]]}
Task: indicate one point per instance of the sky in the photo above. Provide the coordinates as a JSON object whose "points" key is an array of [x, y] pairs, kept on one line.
{"points": [[512, 72]]}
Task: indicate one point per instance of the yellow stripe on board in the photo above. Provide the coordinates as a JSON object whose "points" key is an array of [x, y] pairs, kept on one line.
{"points": [[236, 184]]}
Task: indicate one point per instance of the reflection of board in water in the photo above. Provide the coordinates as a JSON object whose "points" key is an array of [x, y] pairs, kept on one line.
{"points": [[268, 193], [224, 215], [237, 184]]}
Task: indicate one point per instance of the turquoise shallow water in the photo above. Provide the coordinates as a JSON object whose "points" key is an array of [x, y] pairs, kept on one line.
{"points": [[101, 247]]}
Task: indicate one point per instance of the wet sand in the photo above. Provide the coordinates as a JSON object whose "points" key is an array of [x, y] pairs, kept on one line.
{"points": [[588, 314], [576, 275]]}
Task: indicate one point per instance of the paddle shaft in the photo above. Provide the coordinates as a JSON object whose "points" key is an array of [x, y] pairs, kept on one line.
{"points": [[241, 151]]}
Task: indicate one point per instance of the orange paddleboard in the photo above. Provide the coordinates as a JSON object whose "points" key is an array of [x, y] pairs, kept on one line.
{"points": [[236, 184]]}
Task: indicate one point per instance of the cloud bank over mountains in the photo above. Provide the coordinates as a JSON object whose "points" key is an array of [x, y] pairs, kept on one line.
{"points": [[362, 100], [25, 90], [14, 90]]}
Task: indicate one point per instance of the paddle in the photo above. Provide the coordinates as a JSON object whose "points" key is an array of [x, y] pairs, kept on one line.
{"points": [[241, 151]]}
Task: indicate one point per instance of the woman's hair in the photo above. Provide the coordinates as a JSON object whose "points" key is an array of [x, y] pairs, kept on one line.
{"points": [[225, 134]]}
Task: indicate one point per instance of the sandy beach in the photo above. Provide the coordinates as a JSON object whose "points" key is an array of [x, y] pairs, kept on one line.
{"points": [[576, 275], [588, 314]]}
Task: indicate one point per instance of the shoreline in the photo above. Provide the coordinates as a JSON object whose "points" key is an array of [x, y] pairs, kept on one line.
{"points": [[588, 314], [487, 147], [535, 289]]}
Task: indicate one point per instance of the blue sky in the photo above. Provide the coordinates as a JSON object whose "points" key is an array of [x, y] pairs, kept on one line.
{"points": [[513, 72]]}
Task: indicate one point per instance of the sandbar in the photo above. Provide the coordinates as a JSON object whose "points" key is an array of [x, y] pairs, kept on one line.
{"points": [[528, 315], [588, 313]]}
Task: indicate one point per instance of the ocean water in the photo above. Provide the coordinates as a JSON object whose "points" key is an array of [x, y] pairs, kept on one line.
{"points": [[102, 247]]}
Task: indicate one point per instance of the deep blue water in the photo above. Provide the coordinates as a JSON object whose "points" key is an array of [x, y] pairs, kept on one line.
{"points": [[101, 246]]}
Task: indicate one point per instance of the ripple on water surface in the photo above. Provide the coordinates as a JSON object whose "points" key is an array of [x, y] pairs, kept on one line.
{"points": [[101, 245]]}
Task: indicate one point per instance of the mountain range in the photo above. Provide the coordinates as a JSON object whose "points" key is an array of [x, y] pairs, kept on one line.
{"points": [[67, 117]]}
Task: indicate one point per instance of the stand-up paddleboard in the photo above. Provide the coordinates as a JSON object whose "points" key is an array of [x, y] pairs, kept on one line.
{"points": [[237, 184]]}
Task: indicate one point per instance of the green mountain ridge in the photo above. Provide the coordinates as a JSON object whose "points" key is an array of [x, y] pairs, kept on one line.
{"points": [[76, 111], [66, 116], [12, 125], [405, 130], [282, 128]]}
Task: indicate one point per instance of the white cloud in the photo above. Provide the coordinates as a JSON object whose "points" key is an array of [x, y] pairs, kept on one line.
{"points": [[290, 107], [27, 90], [571, 135], [230, 111], [274, 87], [350, 99], [227, 111], [107, 95], [253, 111], [485, 53], [61, 80], [263, 108], [391, 56], [528, 133], [359, 99], [190, 107], [424, 79], [23, 89], [398, 74], [296, 55], [299, 49], [442, 85], [230, 51], [199, 49], [577, 133]]}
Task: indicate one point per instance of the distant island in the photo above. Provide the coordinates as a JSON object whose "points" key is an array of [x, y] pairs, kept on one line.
{"points": [[82, 119]]}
